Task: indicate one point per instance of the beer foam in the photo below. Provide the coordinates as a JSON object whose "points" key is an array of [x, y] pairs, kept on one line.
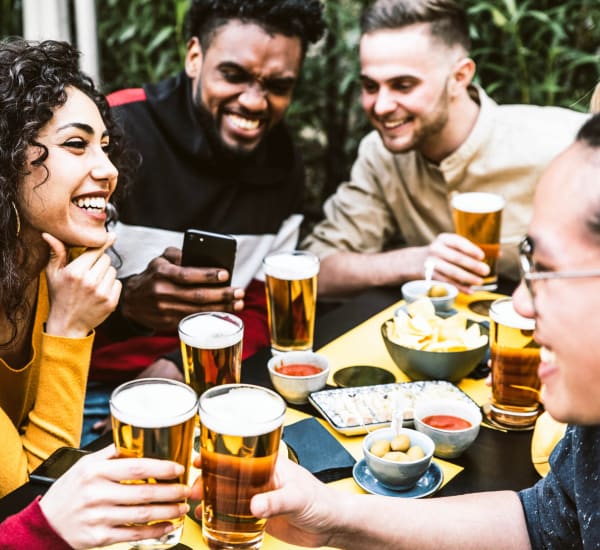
{"points": [[243, 411], [290, 267], [209, 332], [505, 314], [154, 404], [478, 203]]}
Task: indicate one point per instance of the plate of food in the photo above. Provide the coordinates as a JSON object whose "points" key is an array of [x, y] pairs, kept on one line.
{"points": [[354, 411]]}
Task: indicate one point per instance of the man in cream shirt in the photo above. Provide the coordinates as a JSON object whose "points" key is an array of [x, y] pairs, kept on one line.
{"points": [[435, 134]]}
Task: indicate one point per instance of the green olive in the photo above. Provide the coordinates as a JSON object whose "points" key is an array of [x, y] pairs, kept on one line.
{"points": [[396, 456], [400, 443], [379, 448], [415, 453], [437, 291]]}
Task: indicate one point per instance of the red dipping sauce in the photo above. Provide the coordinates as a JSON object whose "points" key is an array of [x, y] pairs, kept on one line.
{"points": [[446, 422], [298, 369]]}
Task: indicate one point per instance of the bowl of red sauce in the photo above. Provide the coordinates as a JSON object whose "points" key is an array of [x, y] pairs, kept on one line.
{"points": [[296, 374], [453, 425]]}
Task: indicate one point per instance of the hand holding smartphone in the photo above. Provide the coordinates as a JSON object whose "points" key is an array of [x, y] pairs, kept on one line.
{"points": [[206, 249]]}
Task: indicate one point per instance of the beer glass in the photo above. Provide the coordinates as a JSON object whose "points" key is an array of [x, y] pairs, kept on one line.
{"points": [[478, 217], [240, 429], [211, 346], [291, 287], [155, 418], [515, 359]]}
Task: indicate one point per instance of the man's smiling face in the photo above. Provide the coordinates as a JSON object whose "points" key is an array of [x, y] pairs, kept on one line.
{"points": [[243, 82], [404, 79]]}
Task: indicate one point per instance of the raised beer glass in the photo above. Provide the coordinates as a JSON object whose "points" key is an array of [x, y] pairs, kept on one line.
{"points": [[291, 287], [515, 358], [478, 217], [240, 430], [155, 418], [211, 346]]}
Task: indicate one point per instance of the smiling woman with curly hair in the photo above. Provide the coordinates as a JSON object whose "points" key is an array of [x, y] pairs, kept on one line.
{"points": [[59, 152]]}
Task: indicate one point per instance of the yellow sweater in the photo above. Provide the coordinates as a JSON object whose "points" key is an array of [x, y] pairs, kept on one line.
{"points": [[41, 404]]}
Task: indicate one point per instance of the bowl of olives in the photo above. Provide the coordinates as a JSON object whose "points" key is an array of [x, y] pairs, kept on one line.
{"points": [[398, 460], [442, 294]]}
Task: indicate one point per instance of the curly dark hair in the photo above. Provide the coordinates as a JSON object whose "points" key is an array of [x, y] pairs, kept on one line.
{"points": [[448, 18], [293, 18], [33, 80]]}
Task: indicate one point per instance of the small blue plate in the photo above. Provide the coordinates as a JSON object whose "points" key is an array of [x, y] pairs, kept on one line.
{"points": [[428, 484]]}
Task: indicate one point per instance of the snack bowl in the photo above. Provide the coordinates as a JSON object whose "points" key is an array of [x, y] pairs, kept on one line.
{"points": [[398, 476], [295, 388], [449, 441], [420, 364], [412, 290]]}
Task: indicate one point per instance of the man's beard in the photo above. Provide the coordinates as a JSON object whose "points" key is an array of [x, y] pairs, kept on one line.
{"points": [[431, 126], [220, 148], [435, 123]]}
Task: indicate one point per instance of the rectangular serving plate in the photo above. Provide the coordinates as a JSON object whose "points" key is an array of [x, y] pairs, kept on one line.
{"points": [[355, 411]]}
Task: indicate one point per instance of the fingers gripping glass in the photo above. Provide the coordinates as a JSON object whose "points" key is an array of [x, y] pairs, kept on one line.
{"points": [[530, 274]]}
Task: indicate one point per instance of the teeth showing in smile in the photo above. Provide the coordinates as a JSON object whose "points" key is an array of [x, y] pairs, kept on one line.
{"points": [[388, 125], [547, 356], [243, 123], [91, 203]]}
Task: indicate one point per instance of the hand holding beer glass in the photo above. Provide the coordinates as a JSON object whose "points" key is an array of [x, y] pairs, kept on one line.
{"points": [[515, 358], [478, 217], [291, 287], [155, 418], [211, 346], [240, 430]]}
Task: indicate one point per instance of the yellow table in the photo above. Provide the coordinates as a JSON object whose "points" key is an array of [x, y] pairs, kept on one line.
{"points": [[342, 352]]}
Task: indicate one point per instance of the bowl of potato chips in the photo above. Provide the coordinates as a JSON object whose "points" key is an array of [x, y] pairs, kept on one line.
{"points": [[427, 346]]}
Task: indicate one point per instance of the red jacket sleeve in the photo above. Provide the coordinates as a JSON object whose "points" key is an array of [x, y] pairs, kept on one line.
{"points": [[30, 529]]}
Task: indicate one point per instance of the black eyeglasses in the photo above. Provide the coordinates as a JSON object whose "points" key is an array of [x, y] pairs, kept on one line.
{"points": [[530, 274]]}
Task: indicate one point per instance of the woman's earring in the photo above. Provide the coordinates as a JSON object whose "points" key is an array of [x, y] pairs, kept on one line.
{"points": [[17, 217]]}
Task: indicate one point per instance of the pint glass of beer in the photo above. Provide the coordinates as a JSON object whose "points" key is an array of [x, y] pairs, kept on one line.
{"points": [[240, 429], [515, 359], [291, 287], [211, 346], [155, 418], [478, 217]]}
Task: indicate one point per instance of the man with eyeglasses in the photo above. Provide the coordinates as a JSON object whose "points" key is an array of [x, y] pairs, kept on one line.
{"points": [[561, 290], [436, 133]]}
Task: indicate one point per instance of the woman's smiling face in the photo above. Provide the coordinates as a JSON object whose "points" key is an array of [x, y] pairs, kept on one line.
{"points": [[66, 196]]}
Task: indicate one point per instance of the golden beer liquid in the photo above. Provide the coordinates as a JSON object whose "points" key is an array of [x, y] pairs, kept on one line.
{"points": [[171, 439], [240, 429], [234, 469], [291, 307], [211, 346], [483, 229], [515, 358], [205, 368]]}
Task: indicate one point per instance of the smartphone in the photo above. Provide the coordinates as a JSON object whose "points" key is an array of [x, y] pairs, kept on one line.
{"points": [[205, 249], [56, 465]]}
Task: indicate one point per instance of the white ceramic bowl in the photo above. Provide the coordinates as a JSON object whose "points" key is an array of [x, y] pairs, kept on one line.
{"points": [[448, 443], [398, 475], [416, 289], [295, 389]]}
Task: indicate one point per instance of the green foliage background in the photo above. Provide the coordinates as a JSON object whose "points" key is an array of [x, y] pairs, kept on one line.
{"points": [[544, 52]]}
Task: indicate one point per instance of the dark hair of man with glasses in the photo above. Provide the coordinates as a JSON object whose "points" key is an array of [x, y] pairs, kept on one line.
{"points": [[562, 509]]}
